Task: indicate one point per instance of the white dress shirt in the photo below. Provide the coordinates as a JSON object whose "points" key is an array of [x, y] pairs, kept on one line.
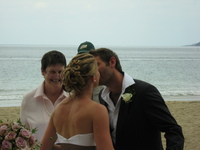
{"points": [[36, 109], [96, 91], [114, 109]]}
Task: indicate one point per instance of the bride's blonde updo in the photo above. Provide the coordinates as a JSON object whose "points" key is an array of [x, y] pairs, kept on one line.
{"points": [[77, 73]]}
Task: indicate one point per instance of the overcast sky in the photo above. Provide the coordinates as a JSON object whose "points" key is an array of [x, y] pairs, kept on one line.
{"points": [[103, 22]]}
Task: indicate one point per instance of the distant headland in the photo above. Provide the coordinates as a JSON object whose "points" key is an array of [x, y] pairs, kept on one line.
{"points": [[196, 44]]}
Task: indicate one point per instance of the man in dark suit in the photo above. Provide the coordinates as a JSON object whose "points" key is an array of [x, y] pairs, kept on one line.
{"points": [[137, 111]]}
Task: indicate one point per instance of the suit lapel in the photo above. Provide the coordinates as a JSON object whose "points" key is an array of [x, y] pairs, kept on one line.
{"points": [[123, 112]]}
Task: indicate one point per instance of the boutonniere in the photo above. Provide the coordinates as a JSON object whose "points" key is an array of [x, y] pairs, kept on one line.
{"points": [[128, 94]]}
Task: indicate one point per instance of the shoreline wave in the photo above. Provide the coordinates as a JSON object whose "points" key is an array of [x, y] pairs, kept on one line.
{"points": [[15, 101]]}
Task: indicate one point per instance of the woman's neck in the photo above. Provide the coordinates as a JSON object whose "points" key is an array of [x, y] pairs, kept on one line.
{"points": [[53, 94]]}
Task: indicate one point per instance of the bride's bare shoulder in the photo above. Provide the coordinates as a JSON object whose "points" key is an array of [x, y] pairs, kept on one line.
{"points": [[97, 107]]}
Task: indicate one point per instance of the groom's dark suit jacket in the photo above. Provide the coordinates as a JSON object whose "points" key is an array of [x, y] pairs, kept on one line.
{"points": [[141, 122]]}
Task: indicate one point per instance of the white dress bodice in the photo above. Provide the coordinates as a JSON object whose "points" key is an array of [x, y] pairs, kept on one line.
{"points": [[79, 139]]}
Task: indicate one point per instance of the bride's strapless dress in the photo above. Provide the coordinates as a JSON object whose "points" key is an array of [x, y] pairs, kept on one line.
{"points": [[77, 142]]}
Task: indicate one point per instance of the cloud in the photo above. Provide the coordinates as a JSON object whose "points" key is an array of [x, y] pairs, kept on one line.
{"points": [[137, 21], [40, 5]]}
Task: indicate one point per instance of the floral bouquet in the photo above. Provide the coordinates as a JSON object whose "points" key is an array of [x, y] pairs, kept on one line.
{"points": [[15, 136]]}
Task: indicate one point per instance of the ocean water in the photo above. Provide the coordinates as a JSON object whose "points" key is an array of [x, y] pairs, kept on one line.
{"points": [[175, 71]]}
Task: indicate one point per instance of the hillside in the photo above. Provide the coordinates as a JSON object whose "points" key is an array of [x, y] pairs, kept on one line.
{"points": [[197, 44]]}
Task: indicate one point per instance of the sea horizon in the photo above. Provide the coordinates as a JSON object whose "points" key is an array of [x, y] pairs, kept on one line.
{"points": [[173, 70]]}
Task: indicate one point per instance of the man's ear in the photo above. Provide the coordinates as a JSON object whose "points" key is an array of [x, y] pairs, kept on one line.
{"points": [[112, 62]]}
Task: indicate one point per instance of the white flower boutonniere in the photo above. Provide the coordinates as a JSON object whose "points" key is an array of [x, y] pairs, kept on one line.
{"points": [[127, 97], [128, 94]]}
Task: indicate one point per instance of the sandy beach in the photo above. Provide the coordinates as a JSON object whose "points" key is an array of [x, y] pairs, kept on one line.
{"points": [[187, 114]]}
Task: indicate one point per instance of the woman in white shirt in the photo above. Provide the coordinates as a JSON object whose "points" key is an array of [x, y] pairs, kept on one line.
{"points": [[38, 105]]}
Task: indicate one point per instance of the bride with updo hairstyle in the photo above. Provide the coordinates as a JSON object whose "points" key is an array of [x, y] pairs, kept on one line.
{"points": [[77, 74], [78, 122]]}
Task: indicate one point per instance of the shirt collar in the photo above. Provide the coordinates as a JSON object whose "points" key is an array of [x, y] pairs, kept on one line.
{"points": [[40, 92], [127, 81]]}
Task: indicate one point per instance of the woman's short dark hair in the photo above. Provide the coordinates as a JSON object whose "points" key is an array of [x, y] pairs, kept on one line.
{"points": [[53, 57]]}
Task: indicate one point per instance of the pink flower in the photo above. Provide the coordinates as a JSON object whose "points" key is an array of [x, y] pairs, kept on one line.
{"points": [[16, 126], [32, 140], [20, 142], [6, 145], [10, 135], [25, 133], [3, 129]]}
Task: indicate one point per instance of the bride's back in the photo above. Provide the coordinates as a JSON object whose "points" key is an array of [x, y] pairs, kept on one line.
{"points": [[75, 117], [75, 114]]}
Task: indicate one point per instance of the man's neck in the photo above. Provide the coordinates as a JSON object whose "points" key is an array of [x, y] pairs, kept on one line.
{"points": [[114, 97], [115, 87]]}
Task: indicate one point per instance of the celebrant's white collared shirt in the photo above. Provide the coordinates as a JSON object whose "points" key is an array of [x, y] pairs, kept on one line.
{"points": [[114, 109], [36, 109]]}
